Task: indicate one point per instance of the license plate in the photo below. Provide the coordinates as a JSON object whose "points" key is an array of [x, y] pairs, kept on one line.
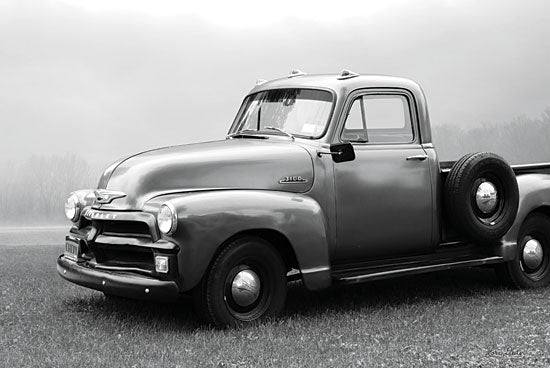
{"points": [[72, 250]]}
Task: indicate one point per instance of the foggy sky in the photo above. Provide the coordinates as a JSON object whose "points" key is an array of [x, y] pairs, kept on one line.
{"points": [[106, 84]]}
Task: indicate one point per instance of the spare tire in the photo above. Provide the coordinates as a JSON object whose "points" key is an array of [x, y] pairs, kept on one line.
{"points": [[481, 197]]}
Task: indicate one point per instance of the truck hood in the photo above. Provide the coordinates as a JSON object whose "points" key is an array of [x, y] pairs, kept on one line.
{"points": [[227, 164]]}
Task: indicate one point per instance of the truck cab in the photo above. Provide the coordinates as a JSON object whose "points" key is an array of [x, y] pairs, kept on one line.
{"points": [[330, 179]]}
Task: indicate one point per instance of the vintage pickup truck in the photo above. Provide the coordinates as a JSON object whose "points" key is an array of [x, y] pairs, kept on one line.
{"points": [[329, 179]]}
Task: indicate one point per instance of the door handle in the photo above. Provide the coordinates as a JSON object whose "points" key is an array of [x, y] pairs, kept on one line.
{"points": [[417, 157]]}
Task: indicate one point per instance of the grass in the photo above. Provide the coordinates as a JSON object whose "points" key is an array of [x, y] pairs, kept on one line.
{"points": [[455, 318]]}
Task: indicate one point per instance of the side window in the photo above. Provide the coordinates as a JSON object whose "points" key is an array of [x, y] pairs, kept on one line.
{"points": [[387, 119], [355, 128]]}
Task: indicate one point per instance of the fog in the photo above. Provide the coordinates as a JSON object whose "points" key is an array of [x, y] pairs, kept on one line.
{"points": [[98, 80]]}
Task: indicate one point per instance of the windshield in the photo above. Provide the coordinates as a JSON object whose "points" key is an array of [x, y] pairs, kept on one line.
{"points": [[302, 112]]}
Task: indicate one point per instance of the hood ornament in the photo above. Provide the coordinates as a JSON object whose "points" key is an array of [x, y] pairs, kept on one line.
{"points": [[104, 196]]}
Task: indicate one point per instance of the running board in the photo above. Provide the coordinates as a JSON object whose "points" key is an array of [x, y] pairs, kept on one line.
{"points": [[377, 275]]}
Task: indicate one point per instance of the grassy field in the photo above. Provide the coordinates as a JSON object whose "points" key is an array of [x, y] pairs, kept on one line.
{"points": [[458, 318]]}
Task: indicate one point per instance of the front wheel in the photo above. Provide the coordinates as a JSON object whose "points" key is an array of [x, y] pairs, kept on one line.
{"points": [[531, 266], [246, 282]]}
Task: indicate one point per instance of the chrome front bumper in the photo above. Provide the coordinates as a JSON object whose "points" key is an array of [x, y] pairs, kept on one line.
{"points": [[116, 283]]}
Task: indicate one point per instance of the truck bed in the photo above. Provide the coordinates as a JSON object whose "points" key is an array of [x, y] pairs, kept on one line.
{"points": [[539, 168]]}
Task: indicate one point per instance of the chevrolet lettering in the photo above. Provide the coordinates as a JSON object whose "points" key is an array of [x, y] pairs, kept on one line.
{"points": [[328, 179], [98, 215]]}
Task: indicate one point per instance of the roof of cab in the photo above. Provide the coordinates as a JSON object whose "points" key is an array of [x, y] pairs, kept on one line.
{"points": [[342, 84], [336, 83]]}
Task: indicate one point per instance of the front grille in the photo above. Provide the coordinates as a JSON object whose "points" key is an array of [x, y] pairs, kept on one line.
{"points": [[123, 228], [124, 256], [119, 256]]}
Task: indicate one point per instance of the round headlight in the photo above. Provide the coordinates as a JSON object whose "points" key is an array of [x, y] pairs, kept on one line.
{"points": [[167, 218], [72, 207]]}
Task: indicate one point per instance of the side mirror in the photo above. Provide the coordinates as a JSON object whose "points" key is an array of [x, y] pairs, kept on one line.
{"points": [[342, 152]]}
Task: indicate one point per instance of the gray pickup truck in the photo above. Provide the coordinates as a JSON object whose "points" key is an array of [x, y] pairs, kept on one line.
{"points": [[328, 179]]}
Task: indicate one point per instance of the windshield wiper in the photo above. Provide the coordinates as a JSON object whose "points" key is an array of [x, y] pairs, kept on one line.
{"points": [[280, 130], [243, 134], [246, 133]]}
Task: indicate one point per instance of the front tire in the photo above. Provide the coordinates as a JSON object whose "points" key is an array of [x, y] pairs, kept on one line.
{"points": [[531, 266], [246, 283]]}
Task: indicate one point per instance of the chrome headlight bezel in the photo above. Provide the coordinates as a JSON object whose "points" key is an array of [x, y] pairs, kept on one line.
{"points": [[167, 218], [73, 207]]}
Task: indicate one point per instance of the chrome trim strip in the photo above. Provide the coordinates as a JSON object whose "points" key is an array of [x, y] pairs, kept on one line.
{"points": [[420, 269], [138, 242], [315, 269], [161, 193], [451, 243], [542, 165]]}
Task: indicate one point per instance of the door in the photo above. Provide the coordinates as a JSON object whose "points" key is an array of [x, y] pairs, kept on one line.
{"points": [[384, 196]]}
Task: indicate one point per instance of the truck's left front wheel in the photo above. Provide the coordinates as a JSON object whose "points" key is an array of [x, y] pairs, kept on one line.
{"points": [[246, 282]]}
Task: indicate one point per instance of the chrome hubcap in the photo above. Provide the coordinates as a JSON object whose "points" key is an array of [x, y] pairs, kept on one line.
{"points": [[245, 288], [486, 197], [532, 254]]}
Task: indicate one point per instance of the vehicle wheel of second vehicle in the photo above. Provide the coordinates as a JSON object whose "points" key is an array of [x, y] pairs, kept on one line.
{"points": [[246, 282], [481, 196], [531, 266]]}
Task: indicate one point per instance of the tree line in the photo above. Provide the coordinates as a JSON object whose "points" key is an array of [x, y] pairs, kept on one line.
{"points": [[520, 141], [34, 191]]}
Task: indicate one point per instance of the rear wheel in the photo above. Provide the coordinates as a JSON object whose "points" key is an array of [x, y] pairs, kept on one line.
{"points": [[531, 266], [246, 282]]}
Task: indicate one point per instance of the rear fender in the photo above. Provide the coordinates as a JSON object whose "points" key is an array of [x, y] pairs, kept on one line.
{"points": [[534, 194], [206, 220]]}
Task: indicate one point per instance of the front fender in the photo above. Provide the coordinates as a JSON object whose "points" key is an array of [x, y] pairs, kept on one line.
{"points": [[534, 193], [207, 219]]}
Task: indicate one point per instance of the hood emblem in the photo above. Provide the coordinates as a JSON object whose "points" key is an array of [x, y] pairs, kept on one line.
{"points": [[104, 196], [292, 180]]}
